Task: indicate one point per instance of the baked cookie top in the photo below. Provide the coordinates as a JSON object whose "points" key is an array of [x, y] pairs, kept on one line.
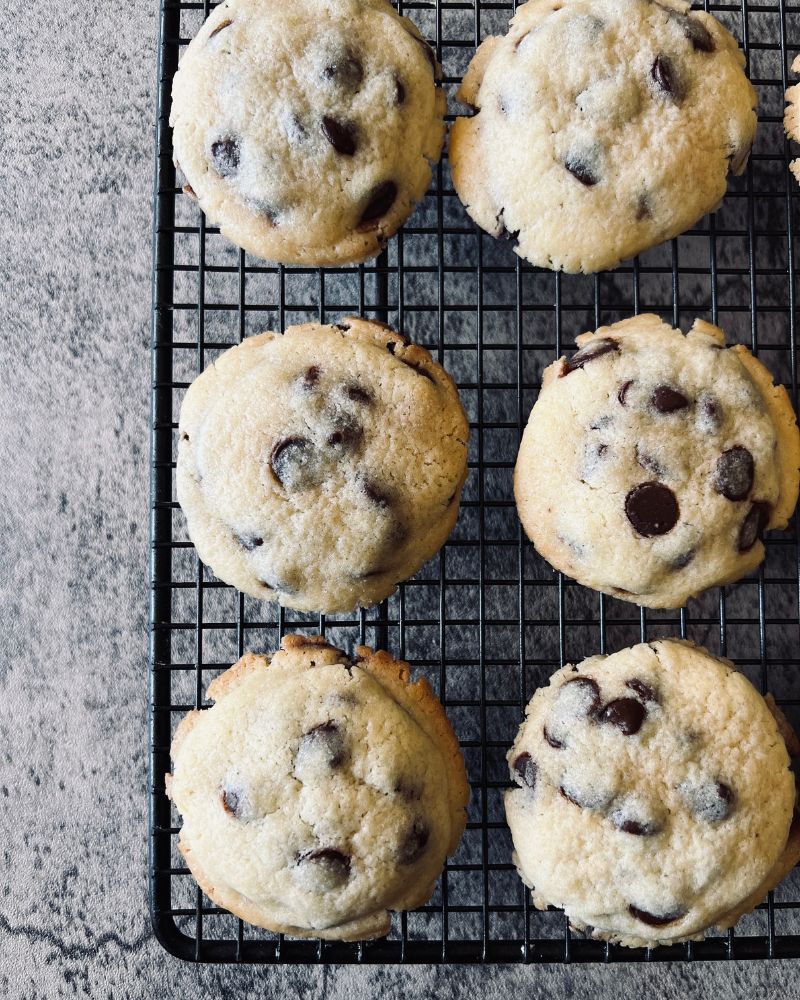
{"points": [[654, 794], [321, 467], [602, 127], [319, 792], [307, 128], [652, 462]]}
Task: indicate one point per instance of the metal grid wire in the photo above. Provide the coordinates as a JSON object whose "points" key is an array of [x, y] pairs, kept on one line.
{"points": [[487, 620]]}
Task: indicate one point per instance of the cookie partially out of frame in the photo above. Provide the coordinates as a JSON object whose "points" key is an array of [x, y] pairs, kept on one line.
{"points": [[321, 467], [654, 797], [319, 792], [601, 128], [653, 462], [307, 128], [791, 118]]}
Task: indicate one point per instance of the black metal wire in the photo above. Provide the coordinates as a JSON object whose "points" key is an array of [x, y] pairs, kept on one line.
{"points": [[487, 620]]}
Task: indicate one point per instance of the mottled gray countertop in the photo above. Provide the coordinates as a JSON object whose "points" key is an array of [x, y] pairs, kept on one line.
{"points": [[78, 80]]}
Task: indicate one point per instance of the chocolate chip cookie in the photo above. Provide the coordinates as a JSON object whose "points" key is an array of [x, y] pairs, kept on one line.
{"points": [[321, 467], [791, 118], [601, 128], [654, 794], [307, 131], [653, 462], [320, 791]]}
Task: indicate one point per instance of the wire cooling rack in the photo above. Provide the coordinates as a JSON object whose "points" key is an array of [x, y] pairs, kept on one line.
{"points": [[487, 620]]}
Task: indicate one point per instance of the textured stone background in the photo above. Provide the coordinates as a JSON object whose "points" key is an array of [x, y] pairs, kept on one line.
{"points": [[75, 201]]}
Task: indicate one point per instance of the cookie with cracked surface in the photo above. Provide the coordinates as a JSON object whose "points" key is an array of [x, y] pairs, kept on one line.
{"points": [[307, 130], [321, 467], [674, 456], [319, 792], [601, 128], [654, 797]]}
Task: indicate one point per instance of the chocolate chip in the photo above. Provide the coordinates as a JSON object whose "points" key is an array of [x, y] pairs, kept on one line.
{"points": [[664, 77], [249, 542], [683, 560], [294, 463], [225, 155], [648, 462], [582, 170], [184, 436], [733, 474], [414, 842], [408, 791], [525, 766], [380, 201], [643, 209], [399, 91], [644, 691], [653, 919], [556, 744], [709, 413], [623, 391], [346, 436], [345, 71], [626, 824], [330, 868], [652, 509], [341, 135], [698, 34], [592, 351], [232, 802], [321, 747], [754, 525], [375, 494], [590, 693], [357, 393], [667, 400], [627, 714], [220, 27], [311, 377], [711, 802]]}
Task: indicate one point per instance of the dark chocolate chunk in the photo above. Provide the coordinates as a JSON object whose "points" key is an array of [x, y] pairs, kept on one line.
{"points": [[345, 71], [653, 919], [667, 400], [225, 154], [399, 91], [643, 209], [375, 494], [652, 509], [591, 691], [232, 802], [733, 474], [665, 78], [325, 743], [357, 393], [644, 691], [712, 802], [341, 135], [593, 350], [627, 714], [582, 170], [347, 435], [413, 844], [380, 201], [649, 463], [525, 766], [249, 542], [698, 34], [310, 377], [333, 866], [623, 391], [293, 462], [754, 525], [683, 560], [709, 413], [629, 825], [556, 744], [408, 791]]}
